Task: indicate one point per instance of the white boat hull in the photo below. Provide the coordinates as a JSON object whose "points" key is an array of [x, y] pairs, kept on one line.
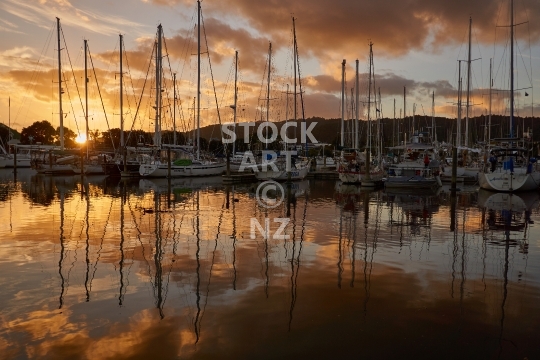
{"points": [[352, 177], [21, 163], [89, 170], [471, 172], [161, 170], [507, 182], [281, 175], [460, 171], [56, 169]]}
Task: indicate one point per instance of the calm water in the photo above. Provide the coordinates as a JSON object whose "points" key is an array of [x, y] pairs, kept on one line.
{"points": [[106, 269]]}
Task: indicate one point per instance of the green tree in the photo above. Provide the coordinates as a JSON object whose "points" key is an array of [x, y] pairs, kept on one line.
{"points": [[40, 131]]}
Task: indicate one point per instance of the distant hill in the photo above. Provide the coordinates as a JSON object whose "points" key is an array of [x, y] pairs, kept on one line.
{"points": [[328, 130]]}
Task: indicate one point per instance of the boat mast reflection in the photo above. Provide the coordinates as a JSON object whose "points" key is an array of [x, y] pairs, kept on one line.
{"points": [[85, 192], [62, 249], [508, 215], [121, 292], [158, 257], [295, 259]]}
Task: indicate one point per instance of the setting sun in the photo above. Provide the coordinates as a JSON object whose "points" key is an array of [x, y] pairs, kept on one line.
{"points": [[80, 139]]}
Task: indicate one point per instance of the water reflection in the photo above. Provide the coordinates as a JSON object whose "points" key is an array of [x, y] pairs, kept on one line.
{"points": [[122, 267]]}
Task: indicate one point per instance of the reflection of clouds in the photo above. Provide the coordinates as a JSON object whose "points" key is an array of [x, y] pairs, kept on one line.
{"points": [[247, 288], [56, 335]]}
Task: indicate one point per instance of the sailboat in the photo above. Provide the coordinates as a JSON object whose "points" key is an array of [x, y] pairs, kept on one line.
{"points": [[185, 164], [22, 152], [128, 159], [418, 167], [88, 165], [355, 167], [45, 161], [298, 168], [469, 165], [5, 159], [510, 168]]}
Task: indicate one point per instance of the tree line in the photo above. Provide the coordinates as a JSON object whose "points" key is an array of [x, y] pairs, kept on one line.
{"points": [[394, 132]]}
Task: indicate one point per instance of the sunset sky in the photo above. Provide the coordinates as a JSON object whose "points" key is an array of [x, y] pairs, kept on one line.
{"points": [[416, 44]]}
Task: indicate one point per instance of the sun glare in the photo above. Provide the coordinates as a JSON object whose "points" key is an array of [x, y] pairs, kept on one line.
{"points": [[81, 139]]}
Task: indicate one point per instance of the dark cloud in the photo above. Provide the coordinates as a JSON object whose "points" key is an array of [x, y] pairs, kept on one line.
{"points": [[396, 27]]}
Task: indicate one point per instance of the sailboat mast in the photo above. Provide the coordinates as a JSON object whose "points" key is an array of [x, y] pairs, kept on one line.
{"points": [[368, 132], [299, 77], [433, 132], [86, 92], [235, 95], [174, 108], [511, 68], [268, 82], [60, 86], [157, 126], [404, 113], [294, 68], [9, 123], [343, 103], [198, 79], [490, 88], [414, 111], [379, 125], [268, 90], [194, 120], [122, 141], [458, 131], [468, 87], [394, 125], [357, 102]]}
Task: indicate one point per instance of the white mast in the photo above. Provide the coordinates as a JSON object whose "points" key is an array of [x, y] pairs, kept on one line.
{"points": [[268, 91], [235, 95], [394, 125], [458, 128], [512, 69], [404, 114], [433, 132], [343, 103], [157, 125], [490, 88], [86, 93], [468, 87], [60, 87], [174, 108], [122, 141], [357, 102], [198, 79], [368, 132]]}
